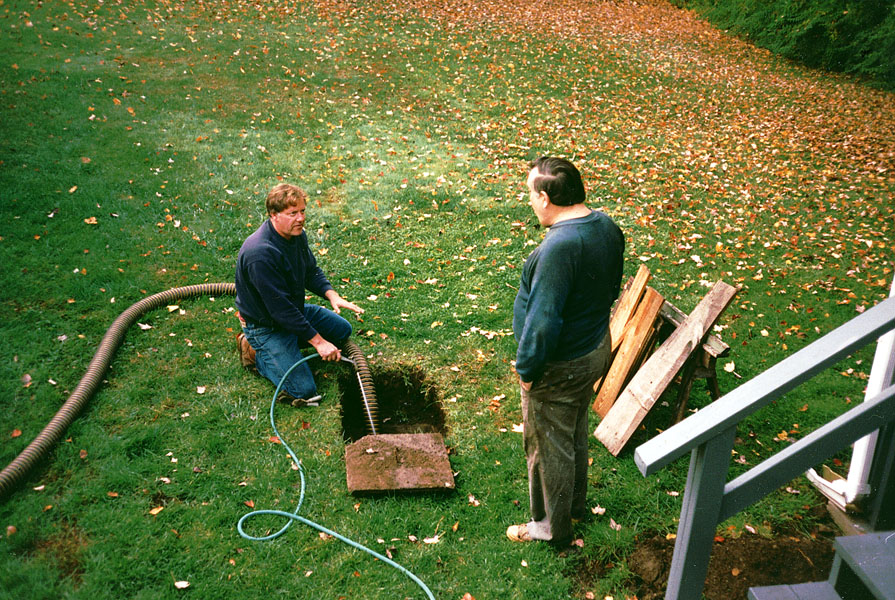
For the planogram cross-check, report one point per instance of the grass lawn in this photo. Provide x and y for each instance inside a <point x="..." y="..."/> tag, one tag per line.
<point x="137" y="142"/>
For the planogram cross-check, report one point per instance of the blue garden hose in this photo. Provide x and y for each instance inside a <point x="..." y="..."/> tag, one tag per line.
<point x="294" y="516"/>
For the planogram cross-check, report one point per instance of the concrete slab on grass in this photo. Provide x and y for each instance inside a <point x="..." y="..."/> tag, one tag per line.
<point x="399" y="461"/>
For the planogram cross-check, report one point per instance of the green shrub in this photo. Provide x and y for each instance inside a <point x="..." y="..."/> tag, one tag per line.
<point x="856" y="37"/>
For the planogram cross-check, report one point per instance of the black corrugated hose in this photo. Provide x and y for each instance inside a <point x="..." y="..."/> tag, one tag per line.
<point x="47" y="439"/>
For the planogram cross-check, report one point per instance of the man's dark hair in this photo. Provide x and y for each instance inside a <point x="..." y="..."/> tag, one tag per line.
<point x="560" y="179"/>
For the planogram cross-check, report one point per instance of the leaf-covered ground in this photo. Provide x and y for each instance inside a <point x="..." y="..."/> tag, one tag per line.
<point x="138" y="140"/>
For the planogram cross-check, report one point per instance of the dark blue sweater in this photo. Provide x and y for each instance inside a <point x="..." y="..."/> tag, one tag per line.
<point x="272" y="274"/>
<point x="568" y="286"/>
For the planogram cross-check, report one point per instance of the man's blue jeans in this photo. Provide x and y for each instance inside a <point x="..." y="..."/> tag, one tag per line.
<point x="277" y="350"/>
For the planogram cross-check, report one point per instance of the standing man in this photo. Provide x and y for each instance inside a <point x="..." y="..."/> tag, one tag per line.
<point x="561" y="324"/>
<point x="274" y="268"/>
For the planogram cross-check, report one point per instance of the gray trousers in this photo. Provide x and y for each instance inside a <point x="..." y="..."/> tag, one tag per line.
<point x="555" y="438"/>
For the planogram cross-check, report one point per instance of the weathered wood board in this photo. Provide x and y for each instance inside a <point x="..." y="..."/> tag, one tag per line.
<point x="659" y="370"/>
<point x="637" y="335"/>
<point x="627" y="306"/>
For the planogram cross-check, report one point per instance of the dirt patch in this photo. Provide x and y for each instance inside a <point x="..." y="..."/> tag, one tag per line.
<point x="736" y="564"/>
<point x="406" y="403"/>
<point x="65" y="548"/>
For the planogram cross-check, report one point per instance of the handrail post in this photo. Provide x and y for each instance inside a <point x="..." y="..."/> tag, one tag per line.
<point x="701" y="507"/>
<point x="882" y="505"/>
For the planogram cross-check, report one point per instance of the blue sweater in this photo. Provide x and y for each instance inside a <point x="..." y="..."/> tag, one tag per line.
<point x="272" y="274"/>
<point x="568" y="286"/>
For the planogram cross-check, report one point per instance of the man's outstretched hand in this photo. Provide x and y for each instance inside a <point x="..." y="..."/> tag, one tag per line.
<point x="338" y="303"/>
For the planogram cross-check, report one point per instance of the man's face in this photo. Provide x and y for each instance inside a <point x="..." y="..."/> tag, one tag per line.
<point x="291" y="221"/>
<point x="536" y="199"/>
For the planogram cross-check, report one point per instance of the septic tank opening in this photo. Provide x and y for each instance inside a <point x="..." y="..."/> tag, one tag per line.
<point x="407" y="403"/>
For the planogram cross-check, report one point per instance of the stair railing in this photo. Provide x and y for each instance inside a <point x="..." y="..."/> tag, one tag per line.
<point x="709" y="436"/>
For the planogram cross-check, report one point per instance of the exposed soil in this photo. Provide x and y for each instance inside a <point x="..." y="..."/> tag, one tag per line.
<point x="406" y="403"/>
<point x="736" y="564"/>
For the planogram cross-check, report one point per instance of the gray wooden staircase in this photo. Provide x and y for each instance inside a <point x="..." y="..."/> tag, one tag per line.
<point x="863" y="569"/>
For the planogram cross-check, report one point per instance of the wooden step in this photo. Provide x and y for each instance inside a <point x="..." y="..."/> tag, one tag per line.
<point x="816" y="590"/>
<point x="864" y="566"/>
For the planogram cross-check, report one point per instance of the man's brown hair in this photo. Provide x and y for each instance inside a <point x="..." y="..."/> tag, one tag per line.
<point x="284" y="195"/>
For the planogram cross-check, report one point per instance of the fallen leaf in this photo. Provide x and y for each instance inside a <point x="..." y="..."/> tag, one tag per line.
<point x="200" y="389"/>
<point x="181" y="585"/>
<point x="10" y="530"/>
<point x="156" y="510"/>
<point x="16" y="433"/>
<point x="91" y="221"/>
<point x="250" y="503"/>
<point x="614" y="525"/>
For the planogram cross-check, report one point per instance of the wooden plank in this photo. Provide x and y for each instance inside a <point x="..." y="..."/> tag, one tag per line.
<point x="658" y="371"/>
<point x="638" y="334"/>
<point x="622" y="311"/>
<point x="712" y="344"/>
<point x="627" y="306"/>
<point x="645" y="351"/>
